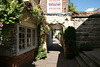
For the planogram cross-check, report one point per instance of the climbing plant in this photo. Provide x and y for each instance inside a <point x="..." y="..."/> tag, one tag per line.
<point x="37" y="12"/>
<point x="44" y="30"/>
<point x="10" y="14"/>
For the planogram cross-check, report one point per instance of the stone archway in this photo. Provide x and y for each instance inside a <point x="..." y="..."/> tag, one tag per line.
<point x="53" y="28"/>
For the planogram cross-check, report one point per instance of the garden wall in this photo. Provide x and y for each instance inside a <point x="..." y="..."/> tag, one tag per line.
<point x="88" y="30"/>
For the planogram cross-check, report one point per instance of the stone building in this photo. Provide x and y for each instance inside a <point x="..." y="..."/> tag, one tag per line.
<point x="25" y="40"/>
<point x="21" y="47"/>
<point x="56" y="12"/>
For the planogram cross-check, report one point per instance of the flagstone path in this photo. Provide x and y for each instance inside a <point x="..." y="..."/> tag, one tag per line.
<point x="55" y="58"/>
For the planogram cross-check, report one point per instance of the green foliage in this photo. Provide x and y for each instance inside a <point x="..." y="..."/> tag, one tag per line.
<point x="72" y="8"/>
<point x="28" y="7"/>
<point x="41" y="53"/>
<point x="86" y="47"/>
<point x="37" y="12"/>
<point x="61" y="32"/>
<point x="10" y="14"/>
<point x="70" y="36"/>
<point x="44" y="30"/>
<point x="70" y="41"/>
<point x="56" y="36"/>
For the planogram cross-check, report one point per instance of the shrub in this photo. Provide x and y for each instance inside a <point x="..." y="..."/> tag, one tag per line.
<point x="70" y="41"/>
<point x="70" y="36"/>
<point x="86" y="47"/>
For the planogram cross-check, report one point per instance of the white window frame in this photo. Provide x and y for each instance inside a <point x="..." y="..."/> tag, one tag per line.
<point x="21" y="51"/>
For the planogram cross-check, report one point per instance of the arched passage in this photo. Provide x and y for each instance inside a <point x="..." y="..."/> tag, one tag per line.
<point x="54" y="30"/>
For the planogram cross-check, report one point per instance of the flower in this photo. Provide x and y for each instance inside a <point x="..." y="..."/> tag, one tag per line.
<point x="45" y="21"/>
<point x="0" y="9"/>
<point x="1" y="25"/>
<point x="24" y="4"/>
<point x="1" y="21"/>
<point x="28" y="8"/>
<point x="44" y="29"/>
<point x="31" y="1"/>
<point x="28" y="3"/>
<point x="31" y="7"/>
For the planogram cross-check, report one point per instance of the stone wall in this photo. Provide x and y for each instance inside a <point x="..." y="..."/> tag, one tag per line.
<point x="35" y="2"/>
<point x="43" y="4"/>
<point x="64" y="5"/>
<point x="88" y="30"/>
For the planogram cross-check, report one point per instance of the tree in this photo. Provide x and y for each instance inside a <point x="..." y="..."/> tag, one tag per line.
<point x="71" y="7"/>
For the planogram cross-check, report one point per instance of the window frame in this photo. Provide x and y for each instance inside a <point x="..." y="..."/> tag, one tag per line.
<point x="33" y="46"/>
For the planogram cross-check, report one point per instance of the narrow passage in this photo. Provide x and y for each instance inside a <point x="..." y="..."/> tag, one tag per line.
<point x="55" y="57"/>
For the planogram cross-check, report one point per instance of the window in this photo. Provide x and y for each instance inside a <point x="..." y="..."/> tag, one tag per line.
<point x="64" y="9"/>
<point x="33" y="36"/>
<point x="26" y="37"/>
<point x="21" y="38"/>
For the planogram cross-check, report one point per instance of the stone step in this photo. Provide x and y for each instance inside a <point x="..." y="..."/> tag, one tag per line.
<point x="88" y="61"/>
<point x="80" y="62"/>
<point x="93" y="57"/>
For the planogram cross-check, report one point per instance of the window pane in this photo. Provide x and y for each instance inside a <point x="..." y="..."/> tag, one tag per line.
<point x="28" y="30"/>
<point x="21" y="30"/>
<point x="33" y="36"/>
<point x="28" y="37"/>
<point x="21" y="37"/>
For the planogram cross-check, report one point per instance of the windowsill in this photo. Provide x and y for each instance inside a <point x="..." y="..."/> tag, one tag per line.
<point x="26" y="50"/>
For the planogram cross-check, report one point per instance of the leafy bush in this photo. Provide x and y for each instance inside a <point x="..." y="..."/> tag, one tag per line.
<point x="70" y="36"/>
<point x="86" y="47"/>
<point x="70" y="41"/>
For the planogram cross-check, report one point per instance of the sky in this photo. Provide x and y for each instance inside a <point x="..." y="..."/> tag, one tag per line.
<point x="86" y="5"/>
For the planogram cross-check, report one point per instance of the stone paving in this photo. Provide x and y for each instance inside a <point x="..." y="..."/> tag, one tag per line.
<point x="54" y="58"/>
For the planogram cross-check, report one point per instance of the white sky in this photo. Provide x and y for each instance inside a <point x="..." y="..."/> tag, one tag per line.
<point x="90" y="9"/>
